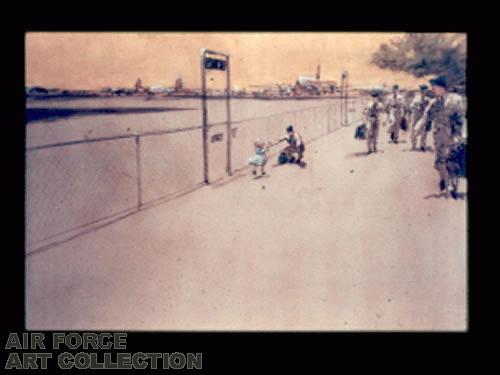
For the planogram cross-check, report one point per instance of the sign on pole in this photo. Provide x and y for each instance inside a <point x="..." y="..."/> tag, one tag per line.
<point x="215" y="63"/>
<point x="211" y="63"/>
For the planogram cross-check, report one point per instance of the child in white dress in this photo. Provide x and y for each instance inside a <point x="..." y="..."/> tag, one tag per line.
<point x="260" y="157"/>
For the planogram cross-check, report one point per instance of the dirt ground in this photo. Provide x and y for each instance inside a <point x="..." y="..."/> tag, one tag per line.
<point x="350" y="242"/>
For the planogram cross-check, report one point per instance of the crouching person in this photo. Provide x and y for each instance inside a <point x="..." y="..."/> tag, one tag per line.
<point x="295" y="143"/>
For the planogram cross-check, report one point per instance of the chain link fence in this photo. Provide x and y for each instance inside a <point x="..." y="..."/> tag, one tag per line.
<point x="77" y="186"/>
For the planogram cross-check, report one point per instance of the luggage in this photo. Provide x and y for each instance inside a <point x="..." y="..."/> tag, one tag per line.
<point x="404" y="124"/>
<point x="456" y="124"/>
<point x="286" y="155"/>
<point x="361" y="131"/>
<point x="393" y="136"/>
<point x="282" y="158"/>
<point x="428" y="125"/>
<point x="456" y="162"/>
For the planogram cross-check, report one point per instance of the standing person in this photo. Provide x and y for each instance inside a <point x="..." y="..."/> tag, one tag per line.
<point x="448" y="112"/>
<point x="406" y="121"/>
<point x="259" y="159"/>
<point x="373" y="112"/>
<point x="295" y="143"/>
<point x="421" y="123"/>
<point x="395" y="108"/>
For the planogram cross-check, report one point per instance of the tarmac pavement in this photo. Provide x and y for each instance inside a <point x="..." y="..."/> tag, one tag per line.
<point x="350" y="242"/>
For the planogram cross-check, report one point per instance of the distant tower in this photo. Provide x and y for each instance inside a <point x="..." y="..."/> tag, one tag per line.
<point x="318" y="72"/>
<point x="179" y="84"/>
<point x="138" y="85"/>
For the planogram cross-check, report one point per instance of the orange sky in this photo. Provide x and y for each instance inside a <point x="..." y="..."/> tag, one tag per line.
<point x="97" y="60"/>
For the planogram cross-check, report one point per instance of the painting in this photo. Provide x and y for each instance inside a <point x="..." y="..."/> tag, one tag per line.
<point x="246" y="181"/>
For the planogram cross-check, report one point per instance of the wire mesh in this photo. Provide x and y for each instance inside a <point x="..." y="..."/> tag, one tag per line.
<point x="75" y="184"/>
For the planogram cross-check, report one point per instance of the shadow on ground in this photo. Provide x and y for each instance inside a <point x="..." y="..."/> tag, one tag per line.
<point x="366" y="153"/>
<point x="461" y="196"/>
<point x="224" y="181"/>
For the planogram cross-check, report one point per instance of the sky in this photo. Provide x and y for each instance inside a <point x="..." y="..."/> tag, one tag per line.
<point x="98" y="60"/>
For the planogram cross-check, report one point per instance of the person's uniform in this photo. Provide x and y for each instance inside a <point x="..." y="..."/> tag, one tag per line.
<point x="448" y="113"/>
<point x="373" y="115"/>
<point x="395" y="108"/>
<point x="295" y="144"/>
<point x="420" y="106"/>
<point x="407" y="113"/>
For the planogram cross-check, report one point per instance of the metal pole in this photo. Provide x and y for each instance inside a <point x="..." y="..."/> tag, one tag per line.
<point x="328" y="119"/>
<point x="138" y="163"/>
<point x="228" y="114"/>
<point x="342" y="101"/>
<point x="204" y="114"/>
<point x="346" y="109"/>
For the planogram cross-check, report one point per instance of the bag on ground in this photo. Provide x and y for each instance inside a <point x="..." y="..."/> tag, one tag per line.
<point x="404" y="124"/>
<point x="456" y="162"/>
<point x="360" y="132"/>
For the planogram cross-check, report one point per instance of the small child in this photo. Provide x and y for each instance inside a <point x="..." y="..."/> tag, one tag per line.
<point x="260" y="157"/>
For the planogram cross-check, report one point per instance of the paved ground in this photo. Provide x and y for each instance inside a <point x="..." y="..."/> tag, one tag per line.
<point x="351" y="242"/>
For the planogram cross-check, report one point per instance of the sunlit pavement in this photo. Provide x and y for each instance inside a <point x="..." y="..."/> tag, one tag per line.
<point x="350" y="242"/>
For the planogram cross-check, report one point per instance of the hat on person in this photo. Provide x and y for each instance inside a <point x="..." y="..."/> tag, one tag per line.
<point x="290" y="128"/>
<point x="424" y="87"/>
<point x="439" y="81"/>
<point x="375" y="93"/>
<point x="395" y="87"/>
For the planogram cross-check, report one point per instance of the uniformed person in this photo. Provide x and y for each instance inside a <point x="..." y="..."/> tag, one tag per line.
<point x="408" y="97"/>
<point x="448" y="111"/>
<point x="420" y="124"/>
<point x="295" y="143"/>
<point x="395" y="108"/>
<point x="373" y="112"/>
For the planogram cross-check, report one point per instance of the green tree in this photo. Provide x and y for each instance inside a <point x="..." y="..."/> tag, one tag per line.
<point x="426" y="54"/>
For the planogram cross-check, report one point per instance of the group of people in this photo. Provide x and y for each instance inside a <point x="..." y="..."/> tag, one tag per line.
<point x="435" y="109"/>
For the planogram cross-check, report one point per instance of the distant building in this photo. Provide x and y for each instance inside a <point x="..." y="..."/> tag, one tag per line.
<point x="312" y="85"/>
<point x="306" y="80"/>
<point x="160" y="89"/>
<point x="179" y="84"/>
<point x="138" y="85"/>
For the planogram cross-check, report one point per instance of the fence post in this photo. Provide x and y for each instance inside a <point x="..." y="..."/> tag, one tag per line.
<point x="138" y="163"/>
<point x="346" y="104"/>
<point x="328" y="119"/>
<point x="204" y="114"/>
<point x="228" y="114"/>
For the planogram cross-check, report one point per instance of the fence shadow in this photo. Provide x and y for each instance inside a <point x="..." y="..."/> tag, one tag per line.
<point x="238" y="174"/>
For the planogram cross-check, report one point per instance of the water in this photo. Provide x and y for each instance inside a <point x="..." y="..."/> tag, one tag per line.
<point x="78" y="119"/>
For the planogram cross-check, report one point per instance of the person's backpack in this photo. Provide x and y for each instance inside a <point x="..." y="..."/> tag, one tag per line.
<point x="360" y="132"/>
